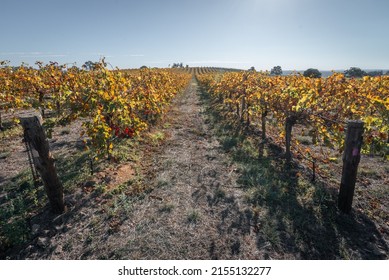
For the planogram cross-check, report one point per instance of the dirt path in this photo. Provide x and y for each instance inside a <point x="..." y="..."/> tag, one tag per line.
<point x="195" y="210"/>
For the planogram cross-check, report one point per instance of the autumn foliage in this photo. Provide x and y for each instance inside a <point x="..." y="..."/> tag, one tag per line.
<point x="112" y="103"/>
<point x="320" y="105"/>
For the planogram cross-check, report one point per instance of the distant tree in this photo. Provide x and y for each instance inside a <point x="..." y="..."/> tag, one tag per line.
<point x="312" y="73"/>
<point x="355" y="72"/>
<point x="375" y="73"/>
<point x="276" y="71"/>
<point x="177" y="65"/>
<point x="4" y="63"/>
<point x="74" y="67"/>
<point x="387" y="72"/>
<point x="89" y="65"/>
<point x="144" y="67"/>
<point x="252" y="69"/>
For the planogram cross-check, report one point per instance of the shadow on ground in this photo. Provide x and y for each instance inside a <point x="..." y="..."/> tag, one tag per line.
<point x="291" y="216"/>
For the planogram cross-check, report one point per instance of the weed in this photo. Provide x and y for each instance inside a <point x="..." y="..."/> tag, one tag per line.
<point x="162" y="183"/>
<point x="166" y="125"/>
<point x="14" y="228"/>
<point x="100" y="189"/>
<point x="121" y="205"/>
<point x="167" y="208"/>
<point x="270" y="232"/>
<point x="157" y="137"/>
<point x="22" y="198"/>
<point x="229" y="143"/>
<point x="68" y="246"/>
<point x="89" y="238"/>
<point x="219" y="194"/>
<point x="94" y="222"/>
<point x="126" y="150"/>
<point x="193" y="217"/>
<point x="125" y="203"/>
<point x="119" y="189"/>
<point x="4" y="155"/>
<point x="11" y="132"/>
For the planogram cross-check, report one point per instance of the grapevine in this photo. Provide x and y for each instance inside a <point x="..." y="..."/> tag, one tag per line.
<point x="321" y="105"/>
<point x="112" y="103"/>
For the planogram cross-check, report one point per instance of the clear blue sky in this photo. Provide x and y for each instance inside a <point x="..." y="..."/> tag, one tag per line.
<point x="296" y="34"/>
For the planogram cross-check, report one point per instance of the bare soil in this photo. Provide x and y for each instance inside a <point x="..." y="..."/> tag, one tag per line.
<point x="200" y="200"/>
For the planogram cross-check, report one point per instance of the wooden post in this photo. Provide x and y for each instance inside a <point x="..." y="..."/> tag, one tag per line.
<point x="243" y="109"/>
<point x="263" y="134"/>
<point x="263" y="125"/>
<point x="35" y="135"/>
<point x="313" y="170"/>
<point x="289" y="123"/>
<point x="351" y="158"/>
<point x="1" y="122"/>
<point x="313" y="134"/>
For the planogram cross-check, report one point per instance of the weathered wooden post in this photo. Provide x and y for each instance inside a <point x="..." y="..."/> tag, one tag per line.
<point x="1" y="121"/>
<point x="351" y="158"/>
<point x="263" y="134"/>
<point x="44" y="164"/>
<point x="289" y="123"/>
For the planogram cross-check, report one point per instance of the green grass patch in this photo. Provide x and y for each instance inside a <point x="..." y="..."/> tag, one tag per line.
<point x="11" y="132"/>
<point x="157" y="137"/>
<point x="4" y="155"/>
<point x="23" y="199"/>
<point x="166" y="208"/>
<point x="193" y="217"/>
<point x="126" y="150"/>
<point x="166" y="125"/>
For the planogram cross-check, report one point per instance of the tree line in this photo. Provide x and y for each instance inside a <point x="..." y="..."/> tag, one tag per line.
<point x="352" y="72"/>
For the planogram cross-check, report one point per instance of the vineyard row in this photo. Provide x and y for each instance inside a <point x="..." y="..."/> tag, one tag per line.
<point x="111" y="103"/>
<point x="319" y="107"/>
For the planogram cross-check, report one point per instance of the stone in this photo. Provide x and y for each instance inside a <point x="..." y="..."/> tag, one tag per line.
<point x="35" y="229"/>
<point x="43" y="242"/>
<point x="58" y="250"/>
<point x="59" y="228"/>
